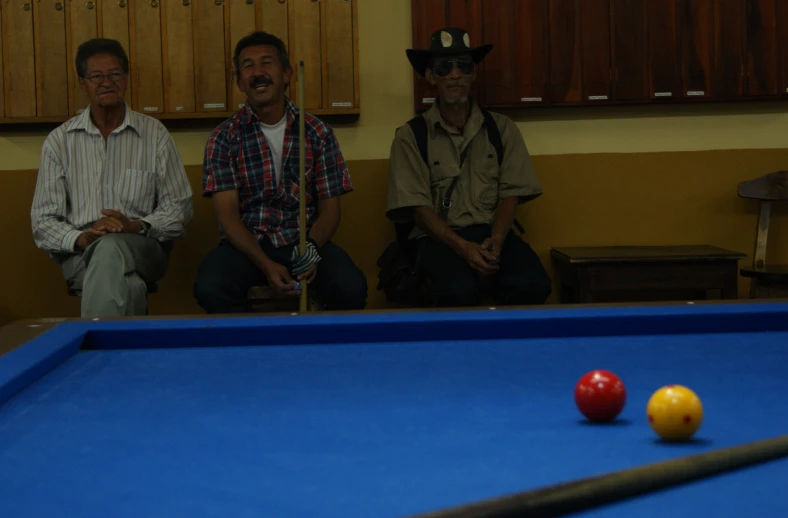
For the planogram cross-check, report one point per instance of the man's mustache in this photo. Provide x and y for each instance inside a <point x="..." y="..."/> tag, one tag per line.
<point x="263" y="80"/>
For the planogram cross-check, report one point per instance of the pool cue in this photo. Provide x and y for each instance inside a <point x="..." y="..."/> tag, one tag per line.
<point x="587" y="493"/>
<point x="302" y="230"/>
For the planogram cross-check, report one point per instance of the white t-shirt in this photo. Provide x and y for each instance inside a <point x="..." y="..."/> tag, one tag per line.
<point x="275" y="136"/>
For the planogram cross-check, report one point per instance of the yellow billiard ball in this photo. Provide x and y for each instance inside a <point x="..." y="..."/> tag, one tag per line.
<point x="674" y="412"/>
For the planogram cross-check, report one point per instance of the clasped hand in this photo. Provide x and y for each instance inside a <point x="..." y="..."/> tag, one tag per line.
<point x="484" y="257"/>
<point x="113" y="221"/>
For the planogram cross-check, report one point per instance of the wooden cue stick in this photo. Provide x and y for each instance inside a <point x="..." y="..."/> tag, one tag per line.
<point x="587" y="493"/>
<point x="302" y="230"/>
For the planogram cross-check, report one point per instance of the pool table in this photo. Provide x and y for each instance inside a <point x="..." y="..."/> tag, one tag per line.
<point x="379" y="414"/>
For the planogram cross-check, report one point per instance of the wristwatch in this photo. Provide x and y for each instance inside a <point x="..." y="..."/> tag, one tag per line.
<point x="145" y="228"/>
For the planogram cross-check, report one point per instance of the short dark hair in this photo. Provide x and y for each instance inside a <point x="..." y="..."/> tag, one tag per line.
<point x="98" y="46"/>
<point x="260" y="38"/>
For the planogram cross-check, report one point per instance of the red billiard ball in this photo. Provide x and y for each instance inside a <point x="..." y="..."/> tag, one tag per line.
<point x="600" y="395"/>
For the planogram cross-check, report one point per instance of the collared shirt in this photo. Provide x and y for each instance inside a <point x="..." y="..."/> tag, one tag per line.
<point x="237" y="156"/>
<point x="481" y="184"/>
<point x="137" y="171"/>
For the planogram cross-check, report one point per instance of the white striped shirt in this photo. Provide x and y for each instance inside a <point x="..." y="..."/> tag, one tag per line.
<point x="137" y="171"/>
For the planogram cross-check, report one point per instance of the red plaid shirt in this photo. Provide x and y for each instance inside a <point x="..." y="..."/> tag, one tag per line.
<point x="237" y="156"/>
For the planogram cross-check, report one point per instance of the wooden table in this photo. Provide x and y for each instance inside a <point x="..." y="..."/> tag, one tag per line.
<point x="585" y="273"/>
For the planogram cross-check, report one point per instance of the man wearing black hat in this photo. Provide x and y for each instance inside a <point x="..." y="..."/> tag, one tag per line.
<point x="457" y="174"/>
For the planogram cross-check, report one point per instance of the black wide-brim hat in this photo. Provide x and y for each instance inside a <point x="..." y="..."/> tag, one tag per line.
<point x="446" y="42"/>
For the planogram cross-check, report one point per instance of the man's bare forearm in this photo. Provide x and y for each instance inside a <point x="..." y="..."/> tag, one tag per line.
<point x="240" y="237"/>
<point x="432" y="224"/>
<point x="504" y="218"/>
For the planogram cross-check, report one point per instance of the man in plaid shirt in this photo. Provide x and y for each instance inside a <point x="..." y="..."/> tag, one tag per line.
<point x="250" y="172"/>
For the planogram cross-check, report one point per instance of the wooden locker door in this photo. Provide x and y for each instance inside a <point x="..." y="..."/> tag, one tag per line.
<point x="515" y="71"/>
<point x="664" y="71"/>
<point x="762" y="48"/>
<point x="243" y="15"/>
<point x="146" y="56"/>
<point x="178" y="55"/>
<point x="728" y="63"/>
<point x="427" y="17"/>
<point x="82" y="24"/>
<point x="2" y="60"/>
<point x="18" y="48"/>
<point x="566" y="84"/>
<point x="595" y="49"/>
<point x="114" y="24"/>
<point x="467" y="14"/>
<point x="306" y="43"/>
<point x="210" y="56"/>
<point x="51" y="58"/>
<point x="695" y="26"/>
<point x="341" y="50"/>
<point x="782" y="46"/>
<point x="629" y="50"/>
<point x="273" y="18"/>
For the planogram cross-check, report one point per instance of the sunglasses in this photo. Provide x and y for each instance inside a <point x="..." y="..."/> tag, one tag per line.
<point x="443" y="67"/>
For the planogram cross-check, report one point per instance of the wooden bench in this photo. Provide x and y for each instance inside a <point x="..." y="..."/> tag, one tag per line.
<point x="265" y="299"/>
<point x="625" y="273"/>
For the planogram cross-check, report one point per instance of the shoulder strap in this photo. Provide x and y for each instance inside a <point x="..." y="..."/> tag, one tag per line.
<point x="419" y="126"/>
<point x="493" y="134"/>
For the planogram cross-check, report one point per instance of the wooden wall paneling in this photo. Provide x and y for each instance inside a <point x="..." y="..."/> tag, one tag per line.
<point x="114" y="24"/>
<point x="178" y="56"/>
<point x="467" y="14"/>
<point x="210" y="56"/>
<point x="146" y="56"/>
<point x="18" y="47"/>
<point x="340" y="50"/>
<point x="51" y="58"/>
<point x="695" y="23"/>
<point x="306" y="43"/>
<point x="762" y="48"/>
<point x="81" y="26"/>
<point x="241" y="21"/>
<point x="566" y="84"/>
<point x="274" y="18"/>
<point x="781" y="13"/>
<point x="629" y="50"/>
<point x="664" y="63"/>
<point x="515" y="71"/>
<point x="595" y="50"/>
<point x="427" y="16"/>
<point x="728" y="50"/>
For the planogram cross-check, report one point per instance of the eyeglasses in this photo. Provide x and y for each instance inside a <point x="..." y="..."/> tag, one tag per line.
<point x="444" y="67"/>
<point x="98" y="78"/>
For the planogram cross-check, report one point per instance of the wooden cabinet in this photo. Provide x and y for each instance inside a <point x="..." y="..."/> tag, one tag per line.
<point x="605" y="52"/>
<point x="52" y="63"/>
<point x="20" y="74"/>
<point x="180" y="52"/>
<point x="518" y="31"/>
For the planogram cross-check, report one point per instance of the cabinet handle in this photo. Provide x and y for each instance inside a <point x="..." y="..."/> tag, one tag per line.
<point x="26" y="7"/>
<point x="186" y="3"/>
<point x="249" y="2"/>
<point x="154" y="4"/>
<point x="89" y="5"/>
<point x="217" y="2"/>
<point x="59" y="6"/>
<point x="122" y="4"/>
<point x="282" y="1"/>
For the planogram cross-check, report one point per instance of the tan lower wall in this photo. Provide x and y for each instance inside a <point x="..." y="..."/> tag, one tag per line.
<point x="591" y="199"/>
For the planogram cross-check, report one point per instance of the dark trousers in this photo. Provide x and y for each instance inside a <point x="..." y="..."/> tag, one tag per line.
<point x="226" y="274"/>
<point x="521" y="279"/>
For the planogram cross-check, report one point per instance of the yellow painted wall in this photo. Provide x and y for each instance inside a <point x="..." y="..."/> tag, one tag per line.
<point x="629" y="175"/>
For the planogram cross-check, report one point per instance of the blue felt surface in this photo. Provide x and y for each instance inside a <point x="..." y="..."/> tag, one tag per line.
<point x="383" y="430"/>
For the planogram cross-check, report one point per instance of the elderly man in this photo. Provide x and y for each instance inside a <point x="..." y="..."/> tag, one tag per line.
<point x="251" y="174"/>
<point x="111" y="194"/>
<point x="457" y="175"/>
